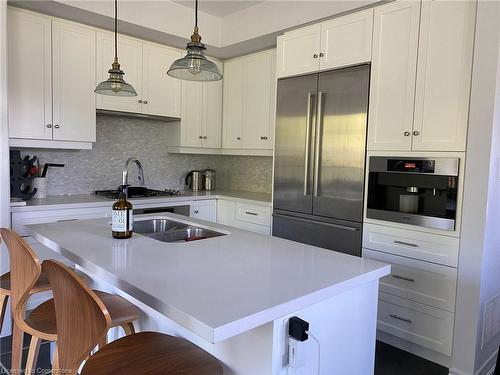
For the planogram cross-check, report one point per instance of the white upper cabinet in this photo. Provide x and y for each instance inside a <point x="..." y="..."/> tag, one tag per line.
<point x="298" y="51"/>
<point x="393" y="71"/>
<point x="443" y="75"/>
<point x="201" y="114"/>
<point x="249" y="101"/>
<point x="161" y="93"/>
<point x="50" y="107"/>
<point x="346" y="40"/>
<point x="342" y="41"/>
<point x="30" y="92"/>
<point x="145" y="66"/>
<point x="74" y="101"/>
<point x="130" y="59"/>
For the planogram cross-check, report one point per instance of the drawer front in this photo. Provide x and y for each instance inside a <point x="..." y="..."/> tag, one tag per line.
<point x="252" y="213"/>
<point x="20" y="219"/>
<point x="423" y="282"/>
<point x="423" y="325"/>
<point x="262" y="229"/>
<point x="418" y="245"/>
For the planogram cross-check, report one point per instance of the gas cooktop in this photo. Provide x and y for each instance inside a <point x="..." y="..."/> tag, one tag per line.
<point x="138" y="192"/>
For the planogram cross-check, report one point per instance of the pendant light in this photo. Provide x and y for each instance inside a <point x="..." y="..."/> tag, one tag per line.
<point x="115" y="85"/>
<point x="195" y="66"/>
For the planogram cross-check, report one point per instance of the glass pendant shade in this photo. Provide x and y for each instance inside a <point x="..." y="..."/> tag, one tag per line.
<point x="195" y="66"/>
<point x="115" y="85"/>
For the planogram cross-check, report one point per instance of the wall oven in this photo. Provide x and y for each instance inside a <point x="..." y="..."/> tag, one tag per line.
<point x="411" y="190"/>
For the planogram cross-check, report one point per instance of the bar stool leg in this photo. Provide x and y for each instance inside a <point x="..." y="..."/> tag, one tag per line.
<point x="17" y="347"/>
<point x="33" y="355"/>
<point x="3" y="305"/>
<point x="129" y="328"/>
<point x="55" y="360"/>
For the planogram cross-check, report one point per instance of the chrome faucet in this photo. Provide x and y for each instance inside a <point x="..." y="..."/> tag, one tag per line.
<point x="140" y="176"/>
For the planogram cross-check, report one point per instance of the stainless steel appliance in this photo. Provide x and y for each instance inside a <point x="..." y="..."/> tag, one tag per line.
<point x="209" y="179"/>
<point x="418" y="191"/>
<point x="320" y="158"/>
<point x="194" y="180"/>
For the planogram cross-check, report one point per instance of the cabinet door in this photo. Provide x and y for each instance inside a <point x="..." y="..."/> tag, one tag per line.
<point x="346" y="40"/>
<point x="393" y="70"/>
<point x="130" y="59"/>
<point x="212" y="112"/>
<point x="258" y="85"/>
<point x="298" y="51"/>
<point x="226" y="212"/>
<point x="30" y="91"/>
<point x="204" y="210"/>
<point x="232" y="104"/>
<point x="191" y="114"/>
<point x="443" y="75"/>
<point x="161" y="93"/>
<point x="73" y="50"/>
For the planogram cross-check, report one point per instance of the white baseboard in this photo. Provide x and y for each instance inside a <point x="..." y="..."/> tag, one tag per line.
<point x="487" y="368"/>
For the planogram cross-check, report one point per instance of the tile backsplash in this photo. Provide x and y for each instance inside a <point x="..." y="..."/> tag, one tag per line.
<point x="119" y="138"/>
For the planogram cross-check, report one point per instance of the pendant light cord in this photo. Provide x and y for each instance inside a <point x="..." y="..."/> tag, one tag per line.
<point x="116" y="27"/>
<point x="196" y="13"/>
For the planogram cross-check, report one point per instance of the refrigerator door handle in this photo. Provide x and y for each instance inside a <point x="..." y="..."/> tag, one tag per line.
<point x="308" y="139"/>
<point x="336" y="226"/>
<point x="319" y="130"/>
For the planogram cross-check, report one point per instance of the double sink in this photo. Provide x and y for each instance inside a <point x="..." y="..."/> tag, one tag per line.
<point x="166" y="230"/>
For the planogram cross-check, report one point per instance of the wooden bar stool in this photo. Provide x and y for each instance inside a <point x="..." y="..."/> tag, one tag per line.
<point x="41" y="322"/>
<point x="82" y="321"/>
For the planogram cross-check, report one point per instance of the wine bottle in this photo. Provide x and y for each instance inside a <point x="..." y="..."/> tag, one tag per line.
<point x="122" y="216"/>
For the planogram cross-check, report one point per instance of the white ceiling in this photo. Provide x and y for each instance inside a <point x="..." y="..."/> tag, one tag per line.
<point x="219" y="8"/>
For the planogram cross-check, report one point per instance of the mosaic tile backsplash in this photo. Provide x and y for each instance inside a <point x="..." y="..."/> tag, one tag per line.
<point x="119" y="138"/>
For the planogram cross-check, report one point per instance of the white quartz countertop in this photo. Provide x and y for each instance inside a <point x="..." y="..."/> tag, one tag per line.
<point x="217" y="287"/>
<point x="91" y="200"/>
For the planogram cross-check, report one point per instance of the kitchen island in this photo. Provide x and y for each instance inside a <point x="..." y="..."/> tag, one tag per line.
<point x="233" y="294"/>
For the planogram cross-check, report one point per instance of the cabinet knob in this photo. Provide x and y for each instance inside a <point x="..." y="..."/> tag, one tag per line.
<point x="139" y="101"/>
<point x="195" y="211"/>
<point x="56" y="126"/>
<point x="205" y="137"/>
<point x="315" y="55"/>
<point x="200" y="137"/>
<point x="145" y="102"/>
<point x="49" y="126"/>
<point x="263" y="138"/>
<point x="321" y="54"/>
<point x="415" y="132"/>
<point x="406" y="134"/>
<point x="238" y="138"/>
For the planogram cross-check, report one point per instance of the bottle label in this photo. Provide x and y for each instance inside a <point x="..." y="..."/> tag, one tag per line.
<point x="121" y="220"/>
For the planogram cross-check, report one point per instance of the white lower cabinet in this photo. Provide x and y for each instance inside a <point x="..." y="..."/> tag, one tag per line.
<point x="254" y="217"/>
<point x="415" y="322"/>
<point x="204" y="210"/>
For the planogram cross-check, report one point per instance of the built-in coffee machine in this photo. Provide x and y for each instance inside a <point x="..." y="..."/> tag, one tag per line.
<point x="417" y="191"/>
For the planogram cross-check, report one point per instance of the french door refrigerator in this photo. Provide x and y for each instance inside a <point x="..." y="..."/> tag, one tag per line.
<point x="319" y="164"/>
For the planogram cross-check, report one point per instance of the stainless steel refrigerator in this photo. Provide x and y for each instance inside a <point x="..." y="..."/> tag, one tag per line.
<point x="319" y="165"/>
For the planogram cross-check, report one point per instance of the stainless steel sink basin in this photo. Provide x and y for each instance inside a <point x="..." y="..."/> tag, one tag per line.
<point x="172" y="231"/>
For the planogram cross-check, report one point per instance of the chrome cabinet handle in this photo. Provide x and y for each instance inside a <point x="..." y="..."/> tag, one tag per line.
<point x="145" y="102"/>
<point x="251" y="213"/>
<point x="63" y="220"/>
<point x="407" y="134"/>
<point x="321" y="54"/>
<point x="49" y="126"/>
<point x="308" y="131"/>
<point x="195" y="211"/>
<point x="319" y="129"/>
<point x="200" y="137"/>
<point x="406" y="243"/>
<point x="315" y="56"/>
<point x="406" y="320"/>
<point x="396" y="276"/>
<point x="139" y="101"/>
<point x="416" y="132"/>
<point x="238" y="138"/>
<point x="205" y="137"/>
<point x="56" y="126"/>
<point x="263" y="138"/>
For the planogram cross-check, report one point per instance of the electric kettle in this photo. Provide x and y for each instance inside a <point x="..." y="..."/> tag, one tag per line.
<point x="194" y="180"/>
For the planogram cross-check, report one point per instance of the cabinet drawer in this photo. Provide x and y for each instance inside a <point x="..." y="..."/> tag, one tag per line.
<point x="262" y="229"/>
<point x="418" y="245"/>
<point x="22" y="218"/>
<point x="423" y="282"/>
<point x="415" y="322"/>
<point x="253" y="213"/>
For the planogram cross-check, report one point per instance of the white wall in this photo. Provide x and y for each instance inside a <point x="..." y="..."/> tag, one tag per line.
<point x="4" y="146"/>
<point x="478" y="279"/>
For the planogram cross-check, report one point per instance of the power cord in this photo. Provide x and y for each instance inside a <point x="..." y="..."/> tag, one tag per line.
<point x="319" y="348"/>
